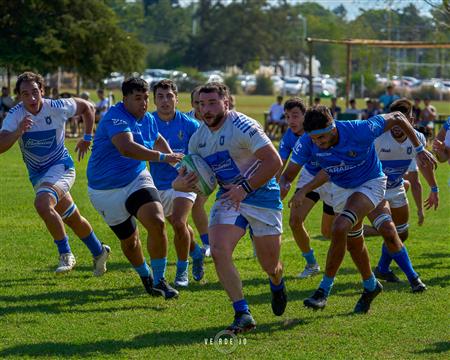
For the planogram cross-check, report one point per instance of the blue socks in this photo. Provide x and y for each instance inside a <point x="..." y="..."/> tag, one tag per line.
<point x="205" y="239"/>
<point x="93" y="244"/>
<point x="385" y="260"/>
<point x="63" y="245"/>
<point x="309" y="257"/>
<point x="159" y="269"/>
<point x="371" y="283"/>
<point x="143" y="270"/>
<point x="196" y="253"/>
<point x="278" y="287"/>
<point x="241" y="306"/>
<point x="402" y="259"/>
<point x="326" y="284"/>
<point x="182" y="266"/>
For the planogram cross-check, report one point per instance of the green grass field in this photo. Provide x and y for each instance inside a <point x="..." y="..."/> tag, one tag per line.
<point x="79" y="316"/>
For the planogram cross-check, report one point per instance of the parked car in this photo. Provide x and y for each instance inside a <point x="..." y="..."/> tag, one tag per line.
<point x="114" y="81"/>
<point x="293" y="85"/>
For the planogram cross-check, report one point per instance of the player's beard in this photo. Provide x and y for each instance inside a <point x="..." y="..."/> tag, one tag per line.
<point x="217" y="119"/>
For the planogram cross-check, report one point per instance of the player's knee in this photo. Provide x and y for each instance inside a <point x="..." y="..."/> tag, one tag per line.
<point x="179" y="226"/>
<point x="132" y="243"/>
<point x="388" y="231"/>
<point x="341" y="227"/>
<point x="156" y="223"/>
<point x="42" y="206"/>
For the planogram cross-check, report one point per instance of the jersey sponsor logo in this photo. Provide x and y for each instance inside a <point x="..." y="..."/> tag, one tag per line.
<point x="385" y="150"/>
<point x="253" y="132"/>
<point x="342" y="167"/>
<point x="41" y="143"/>
<point x="323" y="154"/>
<point x="202" y="145"/>
<point x="117" y="122"/>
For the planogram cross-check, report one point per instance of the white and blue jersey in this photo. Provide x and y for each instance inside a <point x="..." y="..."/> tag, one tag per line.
<point x="287" y="145"/>
<point x="353" y="160"/>
<point x="177" y="133"/>
<point x="396" y="157"/>
<point x="42" y="145"/>
<point x="108" y="168"/>
<point x="230" y="152"/>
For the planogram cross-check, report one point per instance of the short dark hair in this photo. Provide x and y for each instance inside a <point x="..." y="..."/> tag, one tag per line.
<point x="317" y="99"/>
<point x="215" y="87"/>
<point x="279" y="97"/>
<point x="295" y="102"/>
<point x="165" y="84"/>
<point x="29" y="76"/>
<point x="134" y="84"/>
<point x="403" y="105"/>
<point x="352" y="101"/>
<point x="317" y="118"/>
<point x="196" y="89"/>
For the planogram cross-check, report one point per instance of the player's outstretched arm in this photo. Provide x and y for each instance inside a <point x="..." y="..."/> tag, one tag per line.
<point x="162" y="145"/>
<point x="129" y="148"/>
<point x="320" y="179"/>
<point x="288" y="177"/>
<point x="440" y="150"/>
<point x="8" y="138"/>
<point x="416" y="190"/>
<point x="87" y="111"/>
<point x="433" y="197"/>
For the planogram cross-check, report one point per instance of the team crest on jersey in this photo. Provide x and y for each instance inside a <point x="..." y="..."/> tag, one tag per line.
<point x="409" y="150"/>
<point x="180" y="135"/>
<point x="119" y="122"/>
<point x="351" y="153"/>
<point x="48" y="120"/>
<point x="202" y="145"/>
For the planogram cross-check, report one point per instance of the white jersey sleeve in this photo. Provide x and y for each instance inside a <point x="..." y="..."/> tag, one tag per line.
<point x="64" y="108"/>
<point x="13" y="118"/>
<point x="251" y="135"/>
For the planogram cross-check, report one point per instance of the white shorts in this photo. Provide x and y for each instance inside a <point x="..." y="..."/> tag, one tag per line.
<point x="169" y="195"/>
<point x="324" y="190"/>
<point x="374" y="189"/>
<point x="396" y="197"/>
<point x="262" y="221"/>
<point x="111" y="203"/>
<point x="447" y="139"/>
<point x="59" y="177"/>
<point x="413" y="166"/>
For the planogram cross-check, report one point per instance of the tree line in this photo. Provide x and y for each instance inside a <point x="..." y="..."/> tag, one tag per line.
<point x="94" y="38"/>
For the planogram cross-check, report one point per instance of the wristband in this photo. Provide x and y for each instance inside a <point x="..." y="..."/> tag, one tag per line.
<point x="434" y="189"/>
<point x="87" y="137"/>
<point x="246" y="186"/>
<point x="162" y="157"/>
<point x="419" y="149"/>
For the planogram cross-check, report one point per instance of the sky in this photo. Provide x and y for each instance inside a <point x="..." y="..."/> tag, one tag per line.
<point x="353" y="6"/>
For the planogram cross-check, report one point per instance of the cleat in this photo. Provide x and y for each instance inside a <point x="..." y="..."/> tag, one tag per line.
<point x="165" y="290"/>
<point x="389" y="276"/>
<point x="310" y="270"/>
<point x="317" y="301"/>
<point x="363" y="304"/>
<point x="206" y="250"/>
<point x="100" y="261"/>
<point x="417" y="285"/>
<point x="148" y="284"/>
<point x="198" y="270"/>
<point x="243" y="322"/>
<point x="181" y="279"/>
<point x="66" y="263"/>
<point x="279" y="301"/>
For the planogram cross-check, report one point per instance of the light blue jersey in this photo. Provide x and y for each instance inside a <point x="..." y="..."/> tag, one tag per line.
<point x="353" y="160"/>
<point x="230" y="152"/>
<point x="287" y="145"/>
<point x="43" y="146"/>
<point x="177" y="133"/>
<point x="396" y="157"/>
<point x="447" y="124"/>
<point x="107" y="168"/>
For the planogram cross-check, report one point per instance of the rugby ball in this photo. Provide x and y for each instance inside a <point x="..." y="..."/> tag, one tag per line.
<point x="206" y="179"/>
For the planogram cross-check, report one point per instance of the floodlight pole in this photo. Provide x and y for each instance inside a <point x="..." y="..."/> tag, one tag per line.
<point x="310" y="77"/>
<point x="348" y="75"/>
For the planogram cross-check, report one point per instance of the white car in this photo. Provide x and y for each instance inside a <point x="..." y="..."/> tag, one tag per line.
<point x="293" y="85"/>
